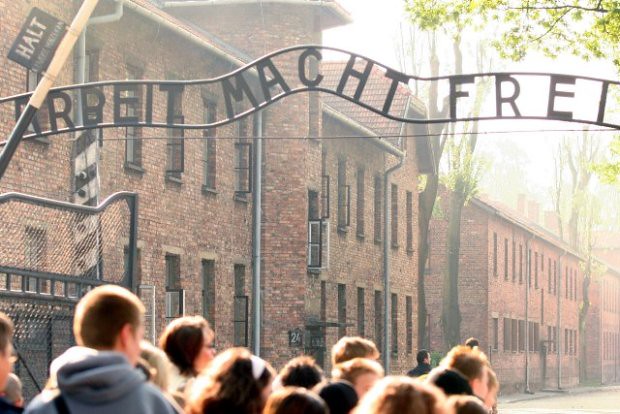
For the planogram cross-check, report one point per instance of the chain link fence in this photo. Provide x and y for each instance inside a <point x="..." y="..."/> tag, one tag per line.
<point x="51" y="254"/>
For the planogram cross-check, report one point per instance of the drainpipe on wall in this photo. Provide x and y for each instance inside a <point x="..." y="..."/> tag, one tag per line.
<point x="528" y="272"/>
<point x="558" y="343"/>
<point x="386" y="264"/>
<point x="257" y="233"/>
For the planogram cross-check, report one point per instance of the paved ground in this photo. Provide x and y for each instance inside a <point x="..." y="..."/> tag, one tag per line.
<point x="604" y="400"/>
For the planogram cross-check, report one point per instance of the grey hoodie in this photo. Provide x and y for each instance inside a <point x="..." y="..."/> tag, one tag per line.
<point x="100" y="382"/>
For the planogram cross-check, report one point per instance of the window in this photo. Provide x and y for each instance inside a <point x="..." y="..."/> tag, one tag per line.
<point x="566" y="284"/>
<point x="173" y="271"/>
<point x="514" y="261"/>
<point x="550" y="278"/>
<point x="394" y="223"/>
<point x="175" y="156"/>
<point x="317" y="232"/>
<point x="243" y="161"/>
<point x="377" y="208"/>
<point x="507" y="335"/>
<point x="208" y="291"/>
<point x="505" y="259"/>
<point x="409" y="221"/>
<point x="344" y="195"/>
<point x="379" y="319"/>
<point x="494" y="254"/>
<point x="409" y="323"/>
<point x="325" y="186"/>
<point x="210" y="146"/>
<point x="175" y="296"/>
<point x="495" y="327"/>
<point x="520" y="263"/>
<point x="529" y="267"/>
<point x="566" y="347"/>
<point x="360" y="223"/>
<point x="515" y="335"/>
<point x="133" y="135"/>
<point x="342" y="310"/>
<point x="361" y="312"/>
<point x="394" y="320"/>
<point x="536" y="270"/>
<point x="521" y="335"/>
<point x="240" y="311"/>
<point x="555" y="277"/>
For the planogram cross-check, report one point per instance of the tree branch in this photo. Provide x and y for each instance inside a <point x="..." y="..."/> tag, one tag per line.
<point x="570" y="7"/>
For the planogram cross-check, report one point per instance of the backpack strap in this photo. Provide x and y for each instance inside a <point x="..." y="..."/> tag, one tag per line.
<point x="61" y="404"/>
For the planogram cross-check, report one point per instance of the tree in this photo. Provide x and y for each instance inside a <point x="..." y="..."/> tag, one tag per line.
<point x="457" y="17"/>
<point x="609" y="170"/>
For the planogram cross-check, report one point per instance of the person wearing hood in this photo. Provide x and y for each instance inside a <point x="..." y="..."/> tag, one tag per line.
<point x="99" y="375"/>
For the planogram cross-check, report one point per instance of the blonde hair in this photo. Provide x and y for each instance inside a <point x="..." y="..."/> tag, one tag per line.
<point x="159" y="364"/>
<point x="402" y="395"/>
<point x="349" y="347"/>
<point x="471" y="362"/>
<point x="353" y="369"/>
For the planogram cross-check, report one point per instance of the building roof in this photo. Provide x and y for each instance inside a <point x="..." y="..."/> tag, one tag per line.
<point x="500" y="210"/>
<point x="331" y="12"/>
<point x="405" y="104"/>
<point x="210" y="42"/>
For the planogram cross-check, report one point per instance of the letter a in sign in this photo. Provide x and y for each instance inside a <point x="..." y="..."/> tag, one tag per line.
<point x="37" y="41"/>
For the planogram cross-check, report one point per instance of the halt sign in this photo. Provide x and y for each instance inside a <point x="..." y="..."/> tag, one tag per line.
<point x="37" y="41"/>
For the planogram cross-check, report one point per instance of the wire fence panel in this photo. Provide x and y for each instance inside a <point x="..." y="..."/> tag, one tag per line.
<point x="51" y="254"/>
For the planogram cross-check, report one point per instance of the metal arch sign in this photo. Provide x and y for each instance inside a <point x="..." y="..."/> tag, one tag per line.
<point x="518" y="95"/>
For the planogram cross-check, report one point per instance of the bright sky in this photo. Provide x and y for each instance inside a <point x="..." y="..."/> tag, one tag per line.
<point x="377" y="29"/>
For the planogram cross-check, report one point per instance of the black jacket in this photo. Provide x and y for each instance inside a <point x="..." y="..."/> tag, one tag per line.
<point x="421" y="369"/>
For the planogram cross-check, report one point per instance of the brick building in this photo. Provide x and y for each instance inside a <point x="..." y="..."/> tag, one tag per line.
<point x="322" y="196"/>
<point x="520" y="321"/>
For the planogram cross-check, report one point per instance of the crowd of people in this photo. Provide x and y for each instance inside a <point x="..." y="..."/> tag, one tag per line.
<point x="113" y="370"/>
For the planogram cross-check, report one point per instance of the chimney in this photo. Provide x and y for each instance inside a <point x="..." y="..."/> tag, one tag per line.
<point x="533" y="211"/>
<point x="521" y="204"/>
<point x="551" y="222"/>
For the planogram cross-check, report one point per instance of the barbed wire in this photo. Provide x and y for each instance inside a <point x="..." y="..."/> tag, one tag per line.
<point x="335" y="137"/>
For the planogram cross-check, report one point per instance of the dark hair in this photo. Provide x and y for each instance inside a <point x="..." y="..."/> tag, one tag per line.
<point x="465" y="404"/>
<point x="472" y="342"/>
<point x="228" y="385"/>
<point x="422" y="355"/>
<point x="295" y="400"/>
<point x="450" y="381"/>
<point x="301" y="372"/>
<point x="340" y="397"/>
<point x="6" y="331"/>
<point x="102" y="313"/>
<point x="182" y="340"/>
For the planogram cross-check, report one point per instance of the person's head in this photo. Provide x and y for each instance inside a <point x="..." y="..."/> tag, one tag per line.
<point x="13" y="392"/>
<point x="6" y="348"/>
<point x="361" y="372"/>
<point x="235" y="381"/>
<point x="349" y="347"/>
<point x="158" y="364"/>
<point x="301" y="372"/>
<point x="295" y="400"/>
<point x="423" y="357"/>
<point x="188" y="342"/>
<point x="340" y="397"/>
<point x="472" y="342"/>
<point x="402" y="395"/>
<point x="472" y="363"/>
<point x="465" y="404"/>
<point x="110" y="318"/>
<point x="451" y="382"/>
<point x="493" y="389"/>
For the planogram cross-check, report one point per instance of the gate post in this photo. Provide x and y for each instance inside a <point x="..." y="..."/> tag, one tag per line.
<point x="131" y="279"/>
